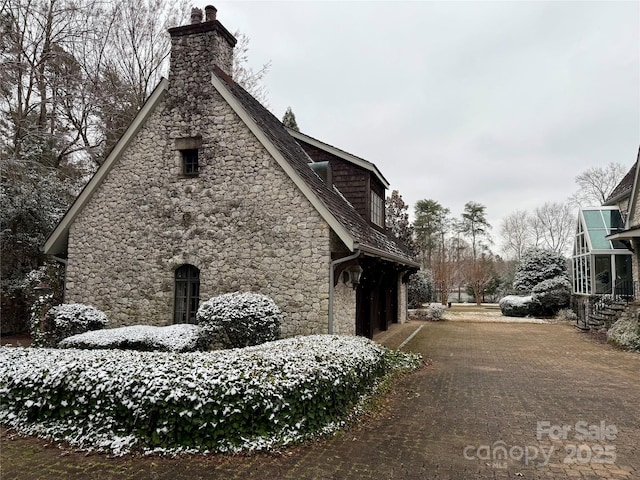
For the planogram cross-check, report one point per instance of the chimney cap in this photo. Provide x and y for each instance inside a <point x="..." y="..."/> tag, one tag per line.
<point x="210" y="13"/>
<point x="196" y="15"/>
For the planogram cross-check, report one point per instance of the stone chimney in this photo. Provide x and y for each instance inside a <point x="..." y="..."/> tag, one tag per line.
<point x="198" y="47"/>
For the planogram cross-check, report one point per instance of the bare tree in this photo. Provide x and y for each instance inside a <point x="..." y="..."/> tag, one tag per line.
<point x="518" y="234"/>
<point x="479" y="274"/>
<point x="249" y="79"/>
<point x="596" y="184"/>
<point x="555" y="223"/>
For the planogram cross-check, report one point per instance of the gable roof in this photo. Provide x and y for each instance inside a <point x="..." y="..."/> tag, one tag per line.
<point x="623" y="189"/>
<point x="57" y="241"/>
<point x="346" y="222"/>
<point x="360" y="162"/>
<point x="353" y="230"/>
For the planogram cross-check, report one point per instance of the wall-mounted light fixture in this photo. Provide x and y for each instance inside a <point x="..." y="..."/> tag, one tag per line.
<point x="355" y="274"/>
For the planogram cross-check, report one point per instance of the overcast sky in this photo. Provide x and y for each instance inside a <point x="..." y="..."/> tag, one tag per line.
<point x="502" y="103"/>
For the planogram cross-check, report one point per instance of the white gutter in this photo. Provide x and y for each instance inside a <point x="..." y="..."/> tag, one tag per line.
<point x="332" y="266"/>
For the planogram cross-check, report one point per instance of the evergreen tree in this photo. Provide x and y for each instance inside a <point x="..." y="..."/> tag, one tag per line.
<point x="538" y="265"/>
<point x="289" y="120"/>
<point x="397" y="220"/>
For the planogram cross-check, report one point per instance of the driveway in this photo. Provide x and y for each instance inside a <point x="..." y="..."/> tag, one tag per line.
<point x="496" y="400"/>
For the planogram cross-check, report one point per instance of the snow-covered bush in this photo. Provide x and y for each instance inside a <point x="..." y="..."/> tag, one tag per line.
<point x="536" y="266"/>
<point x="551" y="295"/>
<point x="240" y="319"/>
<point x="420" y="289"/>
<point x="625" y="333"/>
<point x="68" y="319"/>
<point x="251" y="398"/>
<point x="515" y="305"/>
<point x="172" y="338"/>
<point x="433" y="312"/>
<point x="567" y="315"/>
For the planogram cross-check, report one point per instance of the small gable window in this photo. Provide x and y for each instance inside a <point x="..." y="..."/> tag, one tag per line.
<point x="190" y="162"/>
<point x="377" y="209"/>
<point x="189" y="148"/>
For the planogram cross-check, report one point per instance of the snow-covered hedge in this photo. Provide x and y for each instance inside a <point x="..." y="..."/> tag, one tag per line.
<point x="240" y="319"/>
<point x="68" y="319"/>
<point x="549" y="296"/>
<point x="515" y="305"/>
<point x="229" y="400"/>
<point x="173" y="338"/>
<point x="625" y="333"/>
<point x="433" y="312"/>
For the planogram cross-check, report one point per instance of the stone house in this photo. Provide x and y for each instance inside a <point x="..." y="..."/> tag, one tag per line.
<point x="626" y="198"/>
<point x="606" y="253"/>
<point x="207" y="193"/>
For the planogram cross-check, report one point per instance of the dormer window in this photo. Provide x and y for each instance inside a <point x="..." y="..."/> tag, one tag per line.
<point x="190" y="162"/>
<point x="377" y="209"/>
<point x="189" y="148"/>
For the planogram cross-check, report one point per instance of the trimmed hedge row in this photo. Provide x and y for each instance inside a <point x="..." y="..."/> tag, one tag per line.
<point x="251" y="398"/>
<point x="146" y="338"/>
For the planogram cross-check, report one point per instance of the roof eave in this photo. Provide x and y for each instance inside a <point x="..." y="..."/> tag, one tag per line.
<point x="633" y="199"/>
<point x="625" y="234"/>
<point x="56" y="242"/>
<point x="388" y="256"/>
<point x="340" y="153"/>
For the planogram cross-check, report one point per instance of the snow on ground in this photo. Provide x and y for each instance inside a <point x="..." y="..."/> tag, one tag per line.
<point x="487" y="312"/>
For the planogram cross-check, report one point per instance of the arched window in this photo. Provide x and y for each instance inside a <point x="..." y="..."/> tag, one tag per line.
<point x="187" y="294"/>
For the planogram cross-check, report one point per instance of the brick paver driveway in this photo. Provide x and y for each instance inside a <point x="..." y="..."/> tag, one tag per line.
<point x="497" y="400"/>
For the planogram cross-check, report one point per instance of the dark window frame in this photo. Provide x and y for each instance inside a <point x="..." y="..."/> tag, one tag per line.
<point x="186" y="294"/>
<point x="377" y="209"/>
<point x="190" y="165"/>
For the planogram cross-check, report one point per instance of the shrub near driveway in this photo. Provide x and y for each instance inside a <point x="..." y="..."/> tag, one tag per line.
<point x="251" y="398"/>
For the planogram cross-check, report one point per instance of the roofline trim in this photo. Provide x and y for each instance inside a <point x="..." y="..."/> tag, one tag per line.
<point x="340" y="153"/>
<point x="634" y="193"/>
<point x="248" y="120"/>
<point x="389" y="256"/>
<point x="625" y="234"/>
<point x="55" y="243"/>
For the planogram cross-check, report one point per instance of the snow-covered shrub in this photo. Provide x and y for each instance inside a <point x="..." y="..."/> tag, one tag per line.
<point x="40" y="306"/>
<point x="172" y="338"/>
<point x="251" y="398"/>
<point x="68" y="319"/>
<point x="567" y="315"/>
<point x="515" y="305"/>
<point x="536" y="266"/>
<point x="625" y="333"/>
<point x="420" y="289"/>
<point x="552" y="295"/>
<point x="240" y="319"/>
<point x="433" y="312"/>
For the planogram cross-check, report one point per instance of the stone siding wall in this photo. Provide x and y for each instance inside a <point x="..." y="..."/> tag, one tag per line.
<point x="344" y="309"/>
<point x="403" y="300"/>
<point x="242" y="222"/>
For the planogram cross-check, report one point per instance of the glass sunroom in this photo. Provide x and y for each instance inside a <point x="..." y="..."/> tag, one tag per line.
<point x="600" y="266"/>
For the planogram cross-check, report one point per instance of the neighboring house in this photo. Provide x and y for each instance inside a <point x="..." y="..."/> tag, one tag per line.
<point x="626" y="196"/>
<point x="207" y="192"/>
<point x="605" y="254"/>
